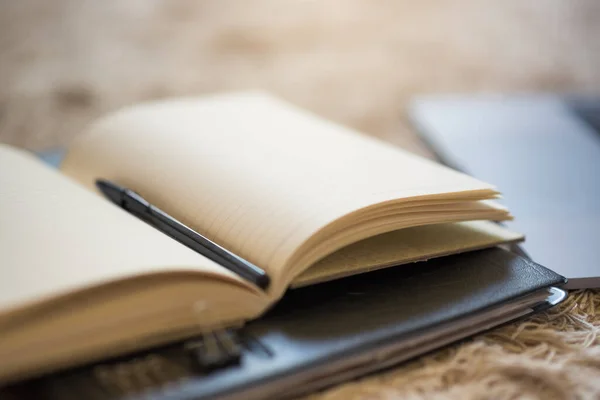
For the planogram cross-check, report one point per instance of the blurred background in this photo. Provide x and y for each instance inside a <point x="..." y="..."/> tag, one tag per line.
<point x="65" y="62"/>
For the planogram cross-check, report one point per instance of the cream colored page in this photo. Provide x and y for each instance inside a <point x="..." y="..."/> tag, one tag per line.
<point x="57" y="237"/>
<point x="253" y="173"/>
<point x="407" y="245"/>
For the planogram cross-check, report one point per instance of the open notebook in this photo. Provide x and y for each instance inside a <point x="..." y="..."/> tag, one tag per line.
<point x="306" y="200"/>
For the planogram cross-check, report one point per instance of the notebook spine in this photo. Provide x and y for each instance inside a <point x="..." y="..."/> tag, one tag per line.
<point x="215" y="350"/>
<point x="158" y="370"/>
<point x="198" y="356"/>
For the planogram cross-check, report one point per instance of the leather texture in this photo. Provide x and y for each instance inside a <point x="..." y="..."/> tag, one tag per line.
<point x="313" y="327"/>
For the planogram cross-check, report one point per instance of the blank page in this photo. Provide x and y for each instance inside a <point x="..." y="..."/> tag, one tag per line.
<point x="407" y="245"/>
<point x="57" y="237"/>
<point x="253" y="173"/>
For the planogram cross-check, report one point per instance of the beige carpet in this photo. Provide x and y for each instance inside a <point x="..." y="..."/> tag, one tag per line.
<point x="63" y="63"/>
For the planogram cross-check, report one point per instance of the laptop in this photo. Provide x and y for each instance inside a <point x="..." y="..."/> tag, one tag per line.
<point x="544" y="153"/>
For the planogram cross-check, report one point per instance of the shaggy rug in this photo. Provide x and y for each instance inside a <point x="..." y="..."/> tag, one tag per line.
<point x="65" y="62"/>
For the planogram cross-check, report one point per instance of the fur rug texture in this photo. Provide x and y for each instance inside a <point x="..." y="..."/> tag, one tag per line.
<point x="358" y="62"/>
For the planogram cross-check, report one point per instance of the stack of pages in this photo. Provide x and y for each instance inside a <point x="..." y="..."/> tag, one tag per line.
<point x="304" y="199"/>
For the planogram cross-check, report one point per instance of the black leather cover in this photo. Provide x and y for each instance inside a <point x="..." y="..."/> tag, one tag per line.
<point x="313" y="328"/>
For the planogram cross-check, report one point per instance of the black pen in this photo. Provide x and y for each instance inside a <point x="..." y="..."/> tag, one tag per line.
<point x="136" y="205"/>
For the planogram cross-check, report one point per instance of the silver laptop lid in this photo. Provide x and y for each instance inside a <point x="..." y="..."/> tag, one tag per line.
<point x="544" y="158"/>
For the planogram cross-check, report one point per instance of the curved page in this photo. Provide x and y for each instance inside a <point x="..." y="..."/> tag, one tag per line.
<point x="255" y="174"/>
<point x="57" y="238"/>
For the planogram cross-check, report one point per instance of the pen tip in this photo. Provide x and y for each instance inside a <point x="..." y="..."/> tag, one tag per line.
<point x="264" y="281"/>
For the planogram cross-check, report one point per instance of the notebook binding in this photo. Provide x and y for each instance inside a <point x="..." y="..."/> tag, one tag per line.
<point x="202" y="355"/>
<point x="215" y="350"/>
<point x="159" y="370"/>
